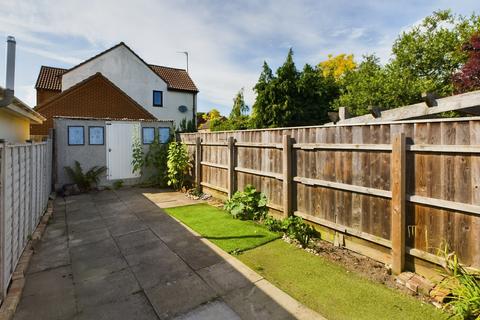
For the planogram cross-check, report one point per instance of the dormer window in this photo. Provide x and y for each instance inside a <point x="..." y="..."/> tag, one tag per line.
<point x="157" y="98"/>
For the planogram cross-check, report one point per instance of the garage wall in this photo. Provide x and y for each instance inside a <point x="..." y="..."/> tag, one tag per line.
<point x="88" y="155"/>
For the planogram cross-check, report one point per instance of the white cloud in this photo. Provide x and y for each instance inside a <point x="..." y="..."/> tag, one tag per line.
<point x="227" y="40"/>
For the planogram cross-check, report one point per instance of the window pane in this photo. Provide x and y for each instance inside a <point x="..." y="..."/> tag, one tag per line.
<point x="164" y="134"/>
<point x="76" y="136"/>
<point x="148" y="135"/>
<point x="96" y="135"/>
<point x="157" y="98"/>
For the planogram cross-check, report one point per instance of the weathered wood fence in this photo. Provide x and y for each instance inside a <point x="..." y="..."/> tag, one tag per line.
<point x="25" y="185"/>
<point x="397" y="192"/>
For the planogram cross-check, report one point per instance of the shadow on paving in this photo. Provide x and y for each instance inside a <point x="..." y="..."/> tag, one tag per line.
<point x="117" y="255"/>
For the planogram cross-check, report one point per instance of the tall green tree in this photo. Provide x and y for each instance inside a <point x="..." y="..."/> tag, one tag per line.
<point x="425" y="58"/>
<point x="316" y="93"/>
<point x="431" y="51"/>
<point x="239" y="108"/>
<point x="290" y="97"/>
<point x="275" y="105"/>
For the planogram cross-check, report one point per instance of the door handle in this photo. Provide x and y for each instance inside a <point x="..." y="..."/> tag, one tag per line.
<point x="109" y="149"/>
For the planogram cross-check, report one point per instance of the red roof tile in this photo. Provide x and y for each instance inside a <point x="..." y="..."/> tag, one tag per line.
<point x="50" y="78"/>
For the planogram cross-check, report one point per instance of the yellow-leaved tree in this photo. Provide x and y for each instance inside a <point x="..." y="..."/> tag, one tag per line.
<point x="337" y="66"/>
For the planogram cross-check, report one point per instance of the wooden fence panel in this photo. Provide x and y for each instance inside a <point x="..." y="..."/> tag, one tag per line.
<point x="341" y="179"/>
<point x="25" y="185"/>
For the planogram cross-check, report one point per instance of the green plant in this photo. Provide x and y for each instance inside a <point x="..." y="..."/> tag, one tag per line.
<point x="295" y="228"/>
<point x="248" y="204"/>
<point x="156" y="159"/>
<point x="138" y="160"/>
<point x="178" y="165"/>
<point x="84" y="181"/>
<point x="118" y="184"/>
<point x="464" y="286"/>
<point x="273" y="224"/>
<point x="187" y="125"/>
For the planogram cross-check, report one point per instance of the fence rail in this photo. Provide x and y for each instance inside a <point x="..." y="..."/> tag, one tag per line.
<point x="25" y="185"/>
<point x="408" y="187"/>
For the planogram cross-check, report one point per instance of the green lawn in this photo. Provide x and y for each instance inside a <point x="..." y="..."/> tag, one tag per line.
<point x="316" y="282"/>
<point x="219" y="227"/>
<point x="330" y="289"/>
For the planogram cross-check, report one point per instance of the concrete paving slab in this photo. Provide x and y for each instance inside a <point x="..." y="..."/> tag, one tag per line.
<point x="126" y="259"/>
<point x="49" y="257"/>
<point x="87" y="237"/>
<point x="166" y="269"/>
<point x="113" y="287"/>
<point x="223" y="278"/>
<point x="138" y="241"/>
<point x="42" y="293"/>
<point x="178" y="296"/>
<point x="95" y="250"/>
<point x="86" y="225"/>
<point x="126" y="226"/>
<point x="85" y="269"/>
<point x="136" y="307"/>
<point x="216" y="310"/>
<point x="150" y="253"/>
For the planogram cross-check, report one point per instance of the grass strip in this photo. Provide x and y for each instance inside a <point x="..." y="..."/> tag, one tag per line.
<point x="218" y="226"/>
<point x="330" y="289"/>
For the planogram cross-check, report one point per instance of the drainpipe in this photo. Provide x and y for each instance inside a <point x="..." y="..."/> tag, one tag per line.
<point x="10" y="71"/>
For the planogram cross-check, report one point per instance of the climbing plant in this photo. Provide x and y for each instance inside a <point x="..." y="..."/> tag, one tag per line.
<point x="178" y="164"/>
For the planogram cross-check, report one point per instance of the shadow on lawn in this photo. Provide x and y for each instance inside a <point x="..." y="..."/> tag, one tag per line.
<point x="236" y="237"/>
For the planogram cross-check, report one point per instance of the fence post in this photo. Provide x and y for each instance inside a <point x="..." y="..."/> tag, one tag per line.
<point x="198" y="164"/>
<point x="2" y="219"/>
<point x="287" y="174"/>
<point x="231" y="167"/>
<point x="398" y="173"/>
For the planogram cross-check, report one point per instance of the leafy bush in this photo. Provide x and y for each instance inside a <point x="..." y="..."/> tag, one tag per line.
<point x="273" y="224"/>
<point x="178" y="164"/>
<point x="248" y="204"/>
<point x="156" y="159"/>
<point x="293" y="227"/>
<point x="465" y="289"/>
<point x="84" y="181"/>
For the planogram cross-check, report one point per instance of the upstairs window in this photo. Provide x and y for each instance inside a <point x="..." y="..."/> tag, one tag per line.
<point x="157" y="98"/>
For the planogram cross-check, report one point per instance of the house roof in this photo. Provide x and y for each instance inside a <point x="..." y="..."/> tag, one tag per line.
<point x="49" y="78"/>
<point x="20" y="108"/>
<point x="94" y="97"/>
<point x="111" y="119"/>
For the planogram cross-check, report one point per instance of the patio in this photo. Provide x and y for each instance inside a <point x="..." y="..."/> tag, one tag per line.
<point x="117" y="255"/>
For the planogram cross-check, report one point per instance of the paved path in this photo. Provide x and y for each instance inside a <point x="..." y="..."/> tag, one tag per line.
<point x="117" y="255"/>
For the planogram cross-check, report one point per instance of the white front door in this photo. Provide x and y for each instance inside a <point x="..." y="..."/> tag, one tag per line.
<point x="120" y="138"/>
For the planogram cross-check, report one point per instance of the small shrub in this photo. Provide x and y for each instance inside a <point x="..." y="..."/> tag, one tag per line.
<point x="465" y="289"/>
<point x="248" y="204"/>
<point x="295" y="228"/>
<point x="84" y="181"/>
<point x="273" y="224"/>
<point x="178" y="164"/>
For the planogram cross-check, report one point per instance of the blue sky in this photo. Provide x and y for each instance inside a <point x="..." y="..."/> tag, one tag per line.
<point x="227" y="40"/>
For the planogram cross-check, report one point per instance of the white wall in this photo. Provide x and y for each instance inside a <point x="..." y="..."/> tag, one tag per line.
<point x="131" y="75"/>
<point x="13" y="129"/>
